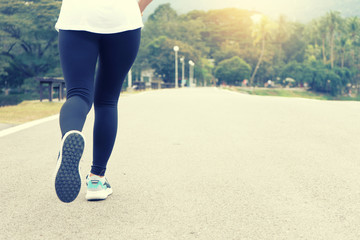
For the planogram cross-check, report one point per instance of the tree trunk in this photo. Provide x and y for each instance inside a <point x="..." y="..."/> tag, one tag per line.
<point x="280" y="52"/>
<point x="352" y="53"/>
<point x="323" y="50"/>
<point x="259" y="62"/>
<point x="332" y="49"/>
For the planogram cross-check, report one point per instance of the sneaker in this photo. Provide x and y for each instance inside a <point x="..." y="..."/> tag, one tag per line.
<point x="98" y="188"/>
<point x="67" y="177"/>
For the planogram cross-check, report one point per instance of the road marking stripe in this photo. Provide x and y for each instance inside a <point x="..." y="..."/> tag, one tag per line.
<point x="23" y="126"/>
<point x="20" y="127"/>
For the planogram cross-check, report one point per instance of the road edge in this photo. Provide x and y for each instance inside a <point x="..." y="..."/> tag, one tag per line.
<point x="26" y="125"/>
<point x="17" y="128"/>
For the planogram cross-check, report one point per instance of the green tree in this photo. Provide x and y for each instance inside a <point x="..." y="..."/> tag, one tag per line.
<point x="322" y="28"/>
<point x="228" y="49"/>
<point x="28" y="39"/>
<point x="233" y="70"/>
<point x="207" y="67"/>
<point x="224" y="25"/>
<point x="281" y="35"/>
<point x="295" y="46"/>
<point x="163" y="22"/>
<point x="161" y="56"/>
<point x="334" y="21"/>
<point x="325" y="79"/>
<point x="300" y="72"/>
<point x="354" y="35"/>
<point x="344" y="47"/>
<point x="261" y="33"/>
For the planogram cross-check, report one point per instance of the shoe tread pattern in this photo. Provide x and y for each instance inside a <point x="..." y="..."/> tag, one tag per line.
<point x="68" y="181"/>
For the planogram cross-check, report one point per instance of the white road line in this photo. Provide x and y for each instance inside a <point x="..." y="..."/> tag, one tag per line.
<point x="26" y="125"/>
<point x="20" y="127"/>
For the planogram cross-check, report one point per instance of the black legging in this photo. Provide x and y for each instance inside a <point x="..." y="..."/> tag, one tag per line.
<point x="79" y="51"/>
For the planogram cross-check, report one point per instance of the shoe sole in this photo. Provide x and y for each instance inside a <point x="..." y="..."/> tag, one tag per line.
<point x="67" y="176"/>
<point x="98" y="195"/>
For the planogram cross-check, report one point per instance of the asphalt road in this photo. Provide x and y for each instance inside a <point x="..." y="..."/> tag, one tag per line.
<point x="5" y="125"/>
<point x="197" y="164"/>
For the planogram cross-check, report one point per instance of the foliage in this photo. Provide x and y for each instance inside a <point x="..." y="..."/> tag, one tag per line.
<point x="28" y="39"/>
<point x="162" y="56"/>
<point x="204" y="72"/>
<point x="233" y="70"/>
<point x="6" y="100"/>
<point x="300" y="72"/>
<point x="223" y="43"/>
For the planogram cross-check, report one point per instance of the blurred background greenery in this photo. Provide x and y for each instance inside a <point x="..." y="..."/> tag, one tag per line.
<point x="319" y="54"/>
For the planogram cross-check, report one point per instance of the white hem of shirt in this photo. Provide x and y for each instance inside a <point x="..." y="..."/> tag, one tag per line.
<point x="98" y="30"/>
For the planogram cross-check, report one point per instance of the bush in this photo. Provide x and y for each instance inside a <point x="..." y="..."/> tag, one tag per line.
<point x="233" y="70"/>
<point x="30" y="89"/>
<point x="6" y="100"/>
<point x="27" y="91"/>
<point x="320" y="77"/>
<point x="300" y="72"/>
<point x="335" y="83"/>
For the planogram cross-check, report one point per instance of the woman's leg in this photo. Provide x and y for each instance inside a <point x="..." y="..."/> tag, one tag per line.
<point x="78" y="56"/>
<point x="117" y="53"/>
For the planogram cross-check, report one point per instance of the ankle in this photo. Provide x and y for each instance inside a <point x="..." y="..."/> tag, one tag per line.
<point x="91" y="174"/>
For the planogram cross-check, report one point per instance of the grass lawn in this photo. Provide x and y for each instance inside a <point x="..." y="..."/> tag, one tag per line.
<point x="288" y="92"/>
<point x="31" y="110"/>
<point x="28" y="111"/>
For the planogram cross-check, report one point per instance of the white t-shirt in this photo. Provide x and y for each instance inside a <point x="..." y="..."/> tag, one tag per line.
<point x="99" y="16"/>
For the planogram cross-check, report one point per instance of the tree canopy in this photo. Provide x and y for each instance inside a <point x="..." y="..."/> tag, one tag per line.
<point x="28" y="44"/>
<point x="324" y="53"/>
<point x="233" y="70"/>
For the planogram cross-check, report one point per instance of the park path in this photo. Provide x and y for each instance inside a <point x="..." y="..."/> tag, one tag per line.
<point x="197" y="163"/>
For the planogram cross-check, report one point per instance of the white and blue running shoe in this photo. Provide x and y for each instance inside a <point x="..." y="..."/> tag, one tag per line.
<point x="98" y="188"/>
<point x="67" y="176"/>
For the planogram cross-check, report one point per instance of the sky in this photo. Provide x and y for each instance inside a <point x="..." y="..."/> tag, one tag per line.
<point x="296" y="10"/>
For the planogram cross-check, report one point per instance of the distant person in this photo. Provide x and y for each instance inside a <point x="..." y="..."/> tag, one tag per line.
<point x="245" y="83"/>
<point x="90" y="30"/>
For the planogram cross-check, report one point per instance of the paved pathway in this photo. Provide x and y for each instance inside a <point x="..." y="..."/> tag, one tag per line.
<point x="197" y="164"/>
<point x="5" y="125"/>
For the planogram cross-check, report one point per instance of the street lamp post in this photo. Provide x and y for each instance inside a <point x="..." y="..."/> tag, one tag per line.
<point x="176" y="49"/>
<point x="182" y="60"/>
<point x="191" y="72"/>
<point x="129" y="79"/>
